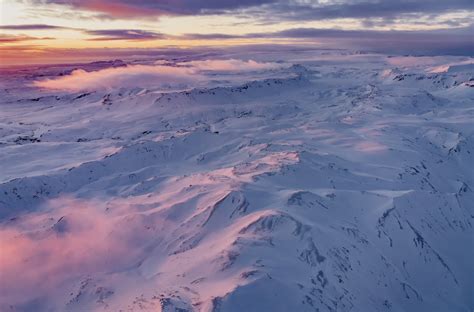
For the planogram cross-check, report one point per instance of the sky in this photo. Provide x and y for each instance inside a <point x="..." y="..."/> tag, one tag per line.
<point x="42" y="31"/>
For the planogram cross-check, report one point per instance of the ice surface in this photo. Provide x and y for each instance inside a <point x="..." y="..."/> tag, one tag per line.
<point x="332" y="181"/>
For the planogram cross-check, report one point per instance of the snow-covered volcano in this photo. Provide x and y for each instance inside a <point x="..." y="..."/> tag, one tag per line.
<point x="311" y="182"/>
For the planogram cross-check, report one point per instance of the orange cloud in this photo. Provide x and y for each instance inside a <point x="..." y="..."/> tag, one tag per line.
<point x="20" y="38"/>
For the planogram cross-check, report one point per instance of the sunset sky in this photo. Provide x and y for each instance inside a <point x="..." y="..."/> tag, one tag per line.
<point x="41" y="31"/>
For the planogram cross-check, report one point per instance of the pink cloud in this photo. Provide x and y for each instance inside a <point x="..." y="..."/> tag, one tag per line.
<point x="183" y="76"/>
<point x="230" y="65"/>
<point x="130" y="76"/>
<point x="153" y="8"/>
<point x="73" y="238"/>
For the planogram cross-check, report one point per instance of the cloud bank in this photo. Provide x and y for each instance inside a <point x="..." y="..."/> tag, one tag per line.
<point x="455" y="41"/>
<point x="230" y="65"/>
<point x="182" y="76"/>
<point x="146" y="76"/>
<point x="268" y="9"/>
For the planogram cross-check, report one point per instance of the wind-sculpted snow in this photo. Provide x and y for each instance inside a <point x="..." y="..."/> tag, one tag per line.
<point x="325" y="186"/>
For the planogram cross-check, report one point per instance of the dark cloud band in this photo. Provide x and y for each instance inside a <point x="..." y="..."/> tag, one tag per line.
<point x="123" y="34"/>
<point x="268" y="9"/>
<point x="31" y="27"/>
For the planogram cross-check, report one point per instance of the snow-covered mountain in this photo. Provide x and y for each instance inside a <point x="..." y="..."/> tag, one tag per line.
<point x="316" y="182"/>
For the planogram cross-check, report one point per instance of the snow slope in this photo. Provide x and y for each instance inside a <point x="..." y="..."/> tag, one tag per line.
<point x="339" y="182"/>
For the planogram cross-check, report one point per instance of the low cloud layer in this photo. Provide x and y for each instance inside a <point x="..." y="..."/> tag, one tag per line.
<point x="230" y="65"/>
<point x="182" y="76"/>
<point x="123" y="34"/>
<point x="69" y="239"/>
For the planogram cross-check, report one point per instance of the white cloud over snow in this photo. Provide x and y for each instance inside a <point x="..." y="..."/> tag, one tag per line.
<point x="185" y="75"/>
<point x="230" y="65"/>
<point x="129" y="76"/>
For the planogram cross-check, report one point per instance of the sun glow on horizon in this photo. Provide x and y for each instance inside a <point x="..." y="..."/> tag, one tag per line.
<point x="44" y="31"/>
